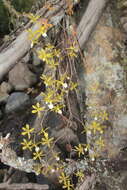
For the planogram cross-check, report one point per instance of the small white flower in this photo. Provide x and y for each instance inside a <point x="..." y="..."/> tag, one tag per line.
<point x="44" y="35"/>
<point x="65" y="85"/>
<point x="95" y="118"/>
<point x="37" y="149"/>
<point x="93" y="159"/>
<point x="50" y="106"/>
<point x="52" y="170"/>
<point x="92" y="153"/>
<point x="32" y="45"/>
<point x="84" y="116"/>
<point x="86" y="149"/>
<point x="57" y="158"/>
<point x="60" y="112"/>
<point x="89" y="132"/>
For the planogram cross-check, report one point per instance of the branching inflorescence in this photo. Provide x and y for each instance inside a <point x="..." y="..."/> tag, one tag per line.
<point x="54" y="97"/>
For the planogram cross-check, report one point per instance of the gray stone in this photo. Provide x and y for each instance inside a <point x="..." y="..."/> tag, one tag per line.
<point x="21" y="77"/>
<point x="17" y="101"/>
<point x="35" y="60"/>
<point x="38" y="98"/>
<point x="67" y="135"/>
<point x="3" y="97"/>
<point x="6" y="87"/>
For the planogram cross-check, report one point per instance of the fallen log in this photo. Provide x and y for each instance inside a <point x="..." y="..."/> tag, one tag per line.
<point x="21" y="45"/>
<point x="89" y="20"/>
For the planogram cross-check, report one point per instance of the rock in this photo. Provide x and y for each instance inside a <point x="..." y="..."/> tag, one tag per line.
<point x="3" y="97"/>
<point x="21" y="77"/>
<point x="38" y="98"/>
<point x="54" y="121"/>
<point x="19" y="177"/>
<point x="35" y="60"/>
<point x="41" y="179"/>
<point x="58" y="128"/>
<point x="67" y="135"/>
<point x="6" y="87"/>
<point x="17" y="101"/>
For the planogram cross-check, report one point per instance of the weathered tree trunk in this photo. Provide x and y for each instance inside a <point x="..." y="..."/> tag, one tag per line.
<point x="106" y="84"/>
<point x="89" y="20"/>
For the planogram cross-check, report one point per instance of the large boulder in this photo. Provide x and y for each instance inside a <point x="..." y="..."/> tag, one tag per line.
<point x="3" y="97"/>
<point x="6" y="87"/>
<point x="21" y="77"/>
<point x="17" y="101"/>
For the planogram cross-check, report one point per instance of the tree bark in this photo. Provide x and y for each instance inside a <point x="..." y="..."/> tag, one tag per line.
<point x="89" y="20"/>
<point x="106" y="84"/>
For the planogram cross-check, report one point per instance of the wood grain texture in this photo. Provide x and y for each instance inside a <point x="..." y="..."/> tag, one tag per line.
<point x="89" y="20"/>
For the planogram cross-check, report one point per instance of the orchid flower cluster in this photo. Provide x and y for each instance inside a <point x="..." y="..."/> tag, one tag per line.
<point x="54" y="98"/>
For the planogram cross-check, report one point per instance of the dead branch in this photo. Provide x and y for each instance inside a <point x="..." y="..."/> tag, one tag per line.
<point x="89" y="20"/>
<point x="19" y="47"/>
<point x="8" y="156"/>
<point x="22" y="186"/>
<point x="8" y="175"/>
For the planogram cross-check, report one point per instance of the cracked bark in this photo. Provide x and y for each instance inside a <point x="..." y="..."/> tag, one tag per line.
<point x="106" y="81"/>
